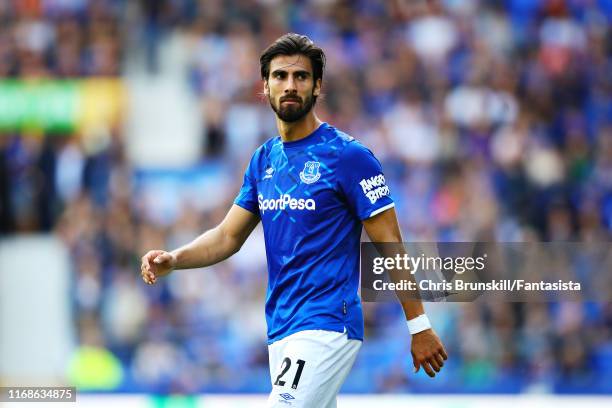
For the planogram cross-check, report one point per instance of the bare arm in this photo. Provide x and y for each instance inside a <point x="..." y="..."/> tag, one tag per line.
<point x="219" y="243"/>
<point x="211" y="247"/>
<point x="385" y="228"/>
<point x="427" y="349"/>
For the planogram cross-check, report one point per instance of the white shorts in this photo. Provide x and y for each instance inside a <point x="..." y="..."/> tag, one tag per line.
<point x="308" y="368"/>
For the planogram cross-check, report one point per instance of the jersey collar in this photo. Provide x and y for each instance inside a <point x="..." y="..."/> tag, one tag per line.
<point x="310" y="139"/>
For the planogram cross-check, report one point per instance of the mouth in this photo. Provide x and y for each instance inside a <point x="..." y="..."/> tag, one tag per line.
<point x="296" y="101"/>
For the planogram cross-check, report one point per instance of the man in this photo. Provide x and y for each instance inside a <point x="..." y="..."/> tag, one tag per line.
<point x="310" y="187"/>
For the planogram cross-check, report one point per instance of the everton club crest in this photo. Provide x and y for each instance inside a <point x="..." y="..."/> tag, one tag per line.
<point x="310" y="174"/>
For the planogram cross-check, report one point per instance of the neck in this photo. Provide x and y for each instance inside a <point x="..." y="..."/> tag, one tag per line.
<point x="292" y="131"/>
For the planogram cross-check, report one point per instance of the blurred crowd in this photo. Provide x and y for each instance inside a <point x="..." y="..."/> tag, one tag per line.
<point x="59" y="39"/>
<point x="492" y="120"/>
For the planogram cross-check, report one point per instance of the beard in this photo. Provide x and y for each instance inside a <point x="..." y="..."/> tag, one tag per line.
<point x="292" y="112"/>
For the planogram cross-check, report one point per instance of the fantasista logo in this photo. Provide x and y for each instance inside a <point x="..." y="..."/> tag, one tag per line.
<point x="285" y="201"/>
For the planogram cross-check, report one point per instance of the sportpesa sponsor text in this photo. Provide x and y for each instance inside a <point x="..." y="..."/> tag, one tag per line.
<point x="285" y="201"/>
<point x="373" y="188"/>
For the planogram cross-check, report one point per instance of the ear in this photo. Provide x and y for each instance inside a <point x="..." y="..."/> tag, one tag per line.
<point x="317" y="88"/>
<point x="266" y="89"/>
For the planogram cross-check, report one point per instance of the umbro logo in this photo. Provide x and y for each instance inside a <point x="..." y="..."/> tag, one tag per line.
<point x="269" y="173"/>
<point x="286" y="396"/>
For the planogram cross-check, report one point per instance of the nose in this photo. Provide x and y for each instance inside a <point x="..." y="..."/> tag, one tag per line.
<point x="291" y="85"/>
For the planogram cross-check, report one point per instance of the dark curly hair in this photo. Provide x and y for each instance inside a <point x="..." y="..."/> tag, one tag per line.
<point x="292" y="44"/>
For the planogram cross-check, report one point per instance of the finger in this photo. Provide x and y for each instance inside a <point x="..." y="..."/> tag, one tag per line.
<point x="416" y="364"/>
<point x="151" y="276"/>
<point x="427" y="368"/>
<point x="439" y="359"/>
<point x="165" y="257"/>
<point x="149" y="260"/>
<point x="145" y="261"/>
<point x="145" y="276"/>
<point x="443" y="353"/>
<point x="434" y="364"/>
<point x="145" y="271"/>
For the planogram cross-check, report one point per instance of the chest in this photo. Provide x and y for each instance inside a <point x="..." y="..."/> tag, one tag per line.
<point x="296" y="186"/>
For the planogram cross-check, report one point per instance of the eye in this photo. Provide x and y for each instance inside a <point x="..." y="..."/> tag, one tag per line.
<point x="301" y="76"/>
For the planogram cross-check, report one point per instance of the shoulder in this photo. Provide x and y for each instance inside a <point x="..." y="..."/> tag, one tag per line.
<point x="353" y="152"/>
<point x="338" y="137"/>
<point x="357" y="160"/>
<point x="347" y="146"/>
<point x="264" y="151"/>
<point x="346" y="143"/>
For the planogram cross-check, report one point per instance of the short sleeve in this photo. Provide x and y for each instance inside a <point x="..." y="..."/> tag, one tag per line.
<point x="362" y="181"/>
<point x="247" y="196"/>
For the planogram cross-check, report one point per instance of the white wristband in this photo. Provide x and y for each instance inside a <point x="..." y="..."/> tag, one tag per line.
<point x="418" y="324"/>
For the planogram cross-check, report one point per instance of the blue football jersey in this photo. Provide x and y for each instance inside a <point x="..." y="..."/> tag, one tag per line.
<point x="311" y="196"/>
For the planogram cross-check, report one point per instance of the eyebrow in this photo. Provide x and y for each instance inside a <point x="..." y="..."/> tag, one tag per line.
<point x="298" y="72"/>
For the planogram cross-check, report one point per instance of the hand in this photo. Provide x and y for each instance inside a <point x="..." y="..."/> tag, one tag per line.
<point x="428" y="352"/>
<point x="156" y="263"/>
